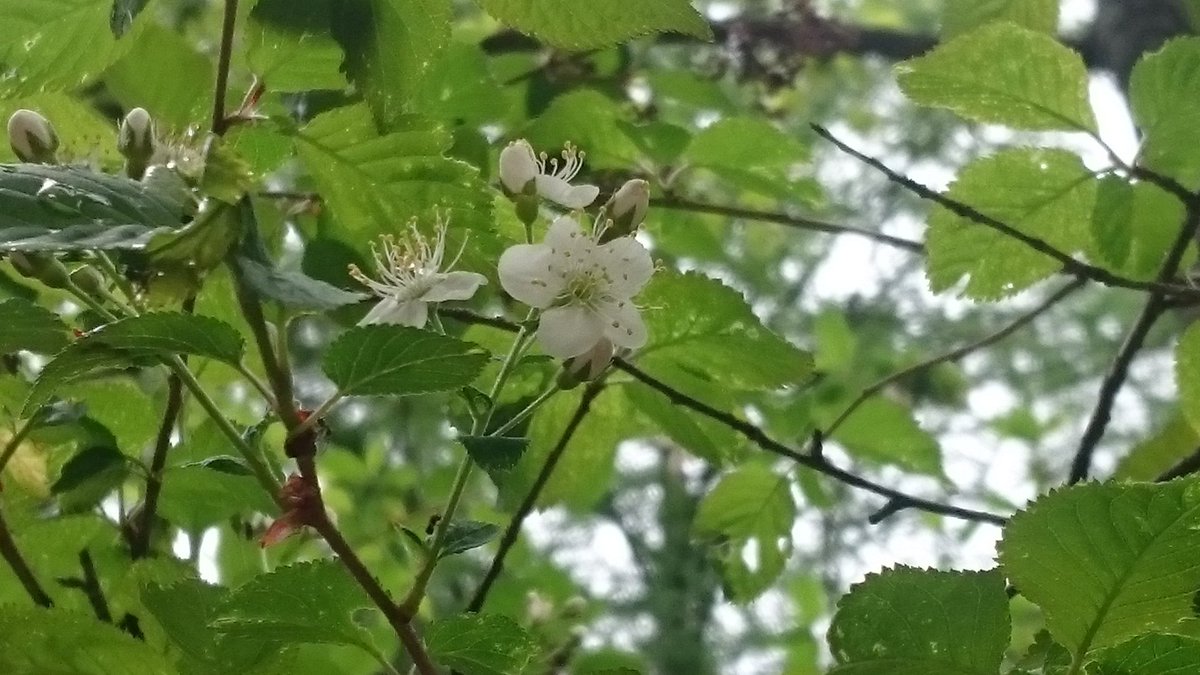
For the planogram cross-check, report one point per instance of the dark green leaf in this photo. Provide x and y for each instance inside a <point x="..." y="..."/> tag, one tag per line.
<point x="166" y="333"/>
<point x="464" y="535"/>
<point x="29" y="326"/>
<point x="495" y="453"/>
<point x="294" y="289"/>
<point x="1151" y="654"/>
<point x="907" y="621"/>
<point x="385" y="360"/>
<point x="89" y="476"/>
<point x="599" y="23"/>
<point x="1158" y="83"/>
<point x="36" y="640"/>
<point x="481" y="644"/>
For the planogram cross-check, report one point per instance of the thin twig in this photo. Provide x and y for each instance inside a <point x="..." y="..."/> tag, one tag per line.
<point x="1114" y="380"/>
<point x="955" y="354"/>
<point x="1070" y="264"/>
<point x="277" y="377"/>
<point x="91" y="587"/>
<point x="142" y="535"/>
<point x="813" y="459"/>
<point x="513" y="531"/>
<point x="787" y="220"/>
<point x="12" y="555"/>
<point x="228" y="24"/>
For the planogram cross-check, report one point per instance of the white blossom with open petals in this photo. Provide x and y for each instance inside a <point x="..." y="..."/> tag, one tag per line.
<point x="584" y="288"/>
<point x="411" y="277"/>
<point x="520" y="165"/>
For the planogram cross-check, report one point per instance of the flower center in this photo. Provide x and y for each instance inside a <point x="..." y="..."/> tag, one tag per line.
<point x="585" y="286"/>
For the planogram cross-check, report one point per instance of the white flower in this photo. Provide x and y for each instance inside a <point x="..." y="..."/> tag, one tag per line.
<point x="32" y="137"/>
<point x="411" y="277"/>
<point x="627" y="208"/>
<point x="583" y="287"/>
<point x="519" y="166"/>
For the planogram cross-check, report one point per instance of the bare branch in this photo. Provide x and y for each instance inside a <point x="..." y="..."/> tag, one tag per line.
<point x="12" y="555"/>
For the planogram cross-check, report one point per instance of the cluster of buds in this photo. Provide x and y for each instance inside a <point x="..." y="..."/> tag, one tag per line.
<point x="34" y="140"/>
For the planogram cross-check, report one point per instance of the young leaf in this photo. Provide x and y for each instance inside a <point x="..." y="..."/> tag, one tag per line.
<point x="464" y="535"/>
<point x="385" y="360"/>
<point x="481" y="644"/>
<point x="294" y="289"/>
<point x="907" y="621"/>
<point x="30" y="326"/>
<point x="1158" y="83"/>
<point x="1044" y="193"/>
<point x="36" y="640"/>
<point x="751" y="507"/>
<point x="495" y="453"/>
<point x="1150" y="654"/>
<point x="884" y="431"/>
<point x="1107" y="562"/>
<point x="599" y="23"/>
<point x="1150" y="458"/>
<point x="975" y="76"/>
<point x="966" y="15"/>
<point x="1187" y="374"/>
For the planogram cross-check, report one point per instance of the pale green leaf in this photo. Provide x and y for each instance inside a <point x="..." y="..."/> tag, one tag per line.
<point x="599" y="23"/>
<point x="81" y="360"/>
<point x="591" y="122"/>
<point x="961" y="16"/>
<point x="1158" y="84"/>
<point x="1107" y="561"/>
<point x="185" y="609"/>
<point x="1150" y="458"/>
<point x="385" y="360"/>
<point x="908" y="621"/>
<point x="1044" y="193"/>
<point x="290" y="46"/>
<point x="885" y="432"/>
<point x="749" y="152"/>
<point x="1152" y="654"/>
<point x="162" y="72"/>
<point x="36" y="640"/>
<point x="482" y="644"/>
<point x="977" y="76"/>
<point x="1187" y="374"/>
<point x="751" y="507"/>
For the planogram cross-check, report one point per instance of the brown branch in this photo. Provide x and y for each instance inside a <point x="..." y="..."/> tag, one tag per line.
<point x="143" y="530"/>
<point x="224" y="57"/>
<point x="955" y="354"/>
<point x="513" y="531"/>
<point x="12" y="555"/>
<point x="91" y="587"/>
<point x="787" y="220"/>
<point x="1070" y="264"/>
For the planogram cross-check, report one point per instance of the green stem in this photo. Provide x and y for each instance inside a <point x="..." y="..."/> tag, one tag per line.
<point x="527" y="411"/>
<point x="318" y="414"/>
<point x="257" y="384"/>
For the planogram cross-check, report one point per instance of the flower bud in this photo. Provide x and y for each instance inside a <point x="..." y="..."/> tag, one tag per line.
<point x="88" y="280"/>
<point x="627" y="209"/>
<point x="32" y="137"/>
<point x="519" y="167"/>
<point x="41" y="266"/>
<point x="587" y="366"/>
<point x="135" y="140"/>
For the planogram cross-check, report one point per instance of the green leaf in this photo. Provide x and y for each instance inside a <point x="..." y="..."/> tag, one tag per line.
<point x="82" y="131"/>
<point x="42" y="44"/>
<point x="89" y="477"/>
<point x="1045" y="193"/>
<point x="36" y="640"/>
<point x="1158" y="83"/>
<point x="695" y="322"/>
<point x="751" y="153"/>
<point x="294" y="289"/>
<point x="1134" y="226"/>
<point x="1107" y="562"/>
<point x="1152" y="654"/>
<point x="185" y="609"/>
<point x="123" y="14"/>
<point x="908" y="621"/>
<point x="568" y="24"/>
<point x="63" y="207"/>
<point x="751" y="508"/>
<point x="162" y="72"/>
<point x="703" y="437"/>
<point x="166" y="333"/>
<point x="1150" y="458"/>
<point x="884" y="431"/>
<point x="79" y="361"/>
<point x="290" y="47"/>
<point x="975" y="76"/>
<point x="963" y="16"/>
<point x="495" y="453"/>
<point x="197" y="496"/>
<point x="311" y="602"/>
<point x="1187" y="374"/>
<point x="385" y="360"/>
<point x="30" y="326"/>
<point x="390" y="45"/>
<point x="481" y="644"/>
<point x="589" y="120"/>
<point x="464" y="535"/>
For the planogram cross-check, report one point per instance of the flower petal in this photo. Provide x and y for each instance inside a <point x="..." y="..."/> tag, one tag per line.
<point x="525" y="274"/>
<point x="454" y="286"/>
<point x="518" y="165"/>
<point x="392" y="311"/>
<point x="567" y="242"/>
<point x="627" y="265"/>
<point x="623" y="324"/>
<point x="561" y="192"/>
<point x="569" y="331"/>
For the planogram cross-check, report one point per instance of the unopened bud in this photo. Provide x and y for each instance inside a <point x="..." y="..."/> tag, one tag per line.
<point x="88" y="280"/>
<point x="627" y="209"/>
<point x="136" y="141"/>
<point x="574" y="607"/>
<point x="32" y="137"/>
<point x="587" y="366"/>
<point x="519" y="167"/>
<point x="41" y="266"/>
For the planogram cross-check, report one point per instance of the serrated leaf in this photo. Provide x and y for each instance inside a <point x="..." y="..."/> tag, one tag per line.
<point x="385" y="360"/>
<point x="63" y="207"/>
<point x="495" y="453"/>
<point x="36" y="640"/>
<point x="695" y="322"/>
<point x="568" y="24"/>
<point x="884" y="431"/>
<point x="1187" y="374"/>
<point x="1156" y="86"/>
<point x="975" y="76"/>
<point x="1045" y="193"/>
<point x="1152" y="654"/>
<point x="389" y="47"/>
<point x="293" y="288"/>
<point x="198" y="496"/>
<point x="481" y="644"/>
<point x="167" y="333"/>
<point x="963" y="16"/>
<point x="79" y="361"/>
<point x="464" y="535"/>
<point x="907" y="621"/>
<point x="750" y="508"/>
<point x="1107" y="561"/>
<point x="30" y="326"/>
<point x="311" y="602"/>
<point x="290" y="46"/>
<point x="185" y="609"/>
